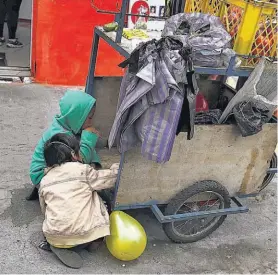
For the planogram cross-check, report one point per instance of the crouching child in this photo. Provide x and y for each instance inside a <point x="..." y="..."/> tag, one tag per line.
<point x="74" y="214"/>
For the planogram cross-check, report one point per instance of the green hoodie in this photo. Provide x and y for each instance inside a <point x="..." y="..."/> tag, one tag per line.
<point x="74" y="107"/>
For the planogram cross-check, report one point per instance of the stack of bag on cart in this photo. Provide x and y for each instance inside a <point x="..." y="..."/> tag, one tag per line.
<point x="204" y="34"/>
<point x="158" y="92"/>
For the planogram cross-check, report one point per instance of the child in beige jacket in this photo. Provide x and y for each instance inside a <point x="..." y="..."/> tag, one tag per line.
<point x="74" y="213"/>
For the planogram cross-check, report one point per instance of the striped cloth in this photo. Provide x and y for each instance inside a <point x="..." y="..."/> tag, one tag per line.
<point x="150" y="104"/>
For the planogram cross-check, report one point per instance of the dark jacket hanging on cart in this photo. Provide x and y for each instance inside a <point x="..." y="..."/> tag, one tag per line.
<point x="187" y="117"/>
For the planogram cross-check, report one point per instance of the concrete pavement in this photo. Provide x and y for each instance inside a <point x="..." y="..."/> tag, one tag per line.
<point x="245" y="243"/>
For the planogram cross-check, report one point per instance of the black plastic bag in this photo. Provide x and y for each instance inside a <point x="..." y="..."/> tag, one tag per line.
<point x="249" y="117"/>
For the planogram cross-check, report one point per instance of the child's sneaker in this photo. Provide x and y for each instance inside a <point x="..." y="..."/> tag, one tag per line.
<point x="44" y="245"/>
<point x="14" y="43"/>
<point x="2" y="40"/>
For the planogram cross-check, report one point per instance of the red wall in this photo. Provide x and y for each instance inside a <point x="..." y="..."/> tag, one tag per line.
<point x="62" y="40"/>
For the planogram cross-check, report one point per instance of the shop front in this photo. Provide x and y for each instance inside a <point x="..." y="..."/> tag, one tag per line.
<point x="62" y="39"/>
<point x="55" y="42"/>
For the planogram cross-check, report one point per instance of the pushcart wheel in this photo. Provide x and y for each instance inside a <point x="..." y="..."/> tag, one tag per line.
<point x="268" y="178"/>
<point x="201" y="196"/>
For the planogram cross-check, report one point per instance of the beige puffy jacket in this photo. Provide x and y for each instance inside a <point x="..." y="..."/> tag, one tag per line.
<point x="74" y="213"/>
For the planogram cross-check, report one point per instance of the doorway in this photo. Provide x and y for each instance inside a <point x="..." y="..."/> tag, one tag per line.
<point x="15" y="61"/>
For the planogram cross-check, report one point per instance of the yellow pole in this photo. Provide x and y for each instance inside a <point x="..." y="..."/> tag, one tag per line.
<point x="247" y="30"/>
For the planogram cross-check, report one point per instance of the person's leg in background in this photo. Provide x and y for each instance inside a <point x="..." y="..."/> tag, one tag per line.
<point x="13" y="7"/>
<point x="2" y="20"/>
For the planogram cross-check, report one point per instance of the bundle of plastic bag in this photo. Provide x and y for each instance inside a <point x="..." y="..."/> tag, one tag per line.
<point x="206" y="36"/>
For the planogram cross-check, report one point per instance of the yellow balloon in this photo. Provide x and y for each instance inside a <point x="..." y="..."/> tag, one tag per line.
<point x="128" y="238"/>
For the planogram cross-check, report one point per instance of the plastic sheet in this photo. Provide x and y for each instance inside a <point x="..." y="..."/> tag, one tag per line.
<point x="250" y="108"/>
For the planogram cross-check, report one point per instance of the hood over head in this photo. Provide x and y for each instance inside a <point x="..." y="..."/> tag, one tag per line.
<point x="74" y="109"/>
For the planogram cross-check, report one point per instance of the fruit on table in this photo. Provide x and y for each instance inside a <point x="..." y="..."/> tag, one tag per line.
<point x="134" y="33"/>
<point x="110" y="27"/>
<point x="141" y="25"/>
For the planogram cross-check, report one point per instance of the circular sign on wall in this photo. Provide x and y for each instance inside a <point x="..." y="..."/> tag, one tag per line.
<point x="139" y="7"/>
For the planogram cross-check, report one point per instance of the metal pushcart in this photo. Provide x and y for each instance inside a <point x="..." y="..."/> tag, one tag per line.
<point x="192" y="194"/>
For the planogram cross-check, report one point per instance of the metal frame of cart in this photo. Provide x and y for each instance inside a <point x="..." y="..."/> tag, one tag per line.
<point x="115" y="43"/>
<point x="99" y="33"/>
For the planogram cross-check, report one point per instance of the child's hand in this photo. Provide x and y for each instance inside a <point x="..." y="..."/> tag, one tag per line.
<point x="92" y="130"/>
<point x="115" y="168"/>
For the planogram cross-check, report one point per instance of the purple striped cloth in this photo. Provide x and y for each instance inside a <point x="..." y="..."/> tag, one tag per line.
<point x="149" y="107"/>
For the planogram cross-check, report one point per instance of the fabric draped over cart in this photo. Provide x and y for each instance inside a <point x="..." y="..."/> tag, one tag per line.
<point x="151" y="99"/>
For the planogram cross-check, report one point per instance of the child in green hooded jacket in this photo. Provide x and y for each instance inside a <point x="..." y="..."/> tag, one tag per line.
<point x="75" y="118"/>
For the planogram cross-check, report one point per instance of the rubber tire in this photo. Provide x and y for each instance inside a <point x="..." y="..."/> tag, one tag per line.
<point x="269" y="177"/>
<point x="194" y="189"/>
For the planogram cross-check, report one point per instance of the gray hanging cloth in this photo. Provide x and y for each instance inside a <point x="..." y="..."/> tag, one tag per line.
<point x="174" y="7"/>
